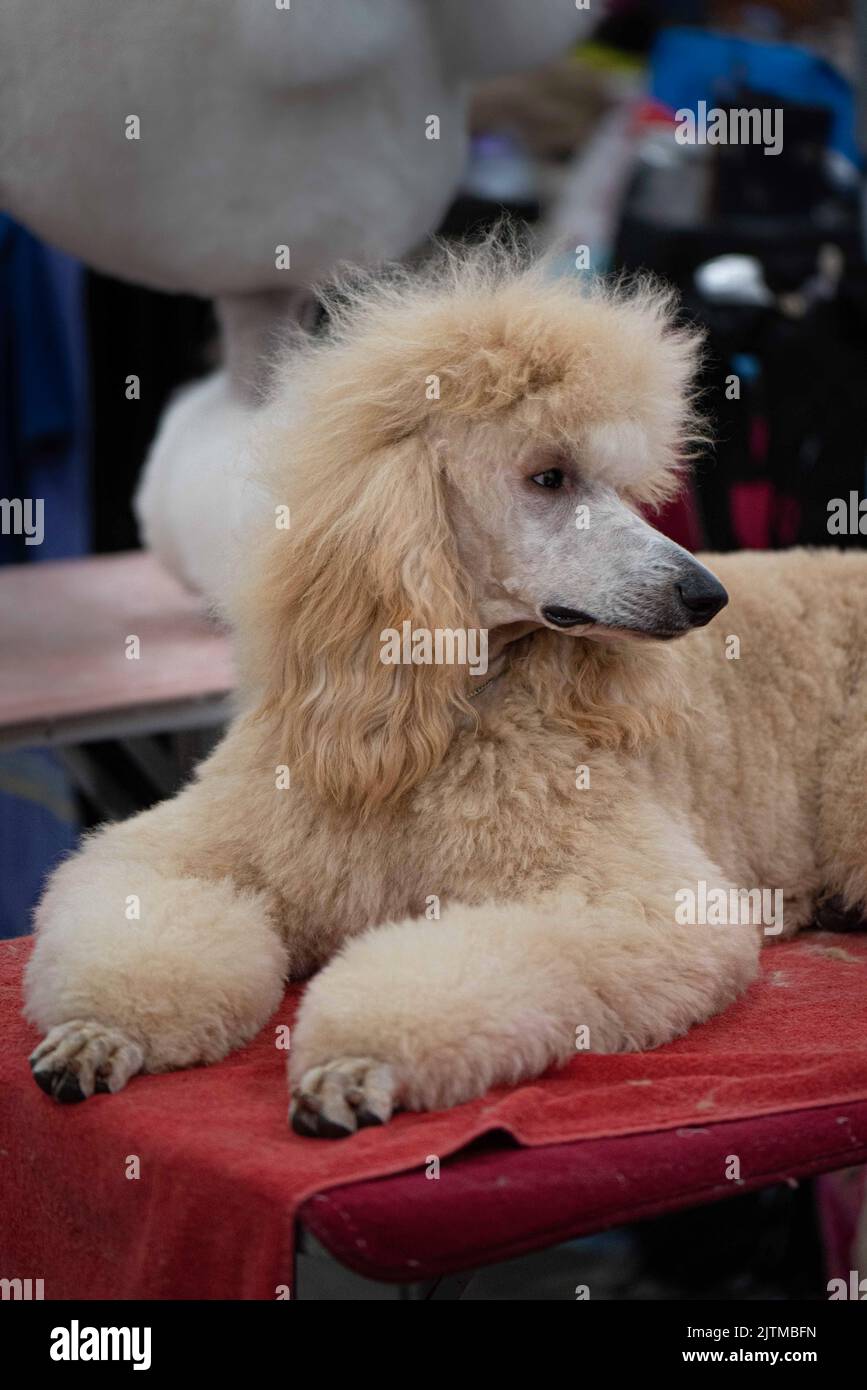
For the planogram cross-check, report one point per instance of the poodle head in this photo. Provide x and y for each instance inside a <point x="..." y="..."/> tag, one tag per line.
<point x="472" y="451"/>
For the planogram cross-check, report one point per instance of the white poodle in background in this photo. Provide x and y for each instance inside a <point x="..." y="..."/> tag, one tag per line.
<point x="262" y="126"/>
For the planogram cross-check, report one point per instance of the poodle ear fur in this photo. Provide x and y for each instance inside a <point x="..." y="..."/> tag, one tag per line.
<point x="370" y="547"/>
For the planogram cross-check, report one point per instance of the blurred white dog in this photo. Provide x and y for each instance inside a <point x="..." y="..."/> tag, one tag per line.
<point x="182" y="145"/>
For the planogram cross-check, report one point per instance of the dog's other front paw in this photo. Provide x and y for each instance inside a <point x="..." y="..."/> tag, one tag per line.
<point x="79" y="1057"/>
<point x="340" y="1097"/>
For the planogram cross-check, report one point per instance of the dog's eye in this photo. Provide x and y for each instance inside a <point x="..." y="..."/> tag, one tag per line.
<point x="552" y="477"/>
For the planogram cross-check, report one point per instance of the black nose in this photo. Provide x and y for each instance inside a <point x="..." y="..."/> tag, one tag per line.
<point x="566" y="617"/>
<point x="703" y="595"/>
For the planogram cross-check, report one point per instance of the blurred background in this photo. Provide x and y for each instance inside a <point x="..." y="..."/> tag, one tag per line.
<point x="766" y="250"/>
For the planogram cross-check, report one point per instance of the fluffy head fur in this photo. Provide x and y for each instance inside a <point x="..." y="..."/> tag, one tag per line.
<point x="423" y="384"/>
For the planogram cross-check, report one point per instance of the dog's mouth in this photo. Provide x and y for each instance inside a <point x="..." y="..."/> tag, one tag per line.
<point x="568" y="619"/>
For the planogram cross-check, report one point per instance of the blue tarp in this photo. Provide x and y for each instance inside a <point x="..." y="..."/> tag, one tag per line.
<point x="43" y="455"/>
<point x="693" y="65"/>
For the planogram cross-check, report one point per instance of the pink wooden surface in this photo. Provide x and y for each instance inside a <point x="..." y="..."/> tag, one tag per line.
<point x="63" y="630"/>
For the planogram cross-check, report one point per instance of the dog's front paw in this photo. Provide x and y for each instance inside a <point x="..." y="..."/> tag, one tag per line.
<point x="340" y="1097"/>
<point x="79" y="1057"/>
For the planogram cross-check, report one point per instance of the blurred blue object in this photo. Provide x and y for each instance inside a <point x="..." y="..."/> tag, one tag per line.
<point x="693" y="65"/>
<point x="39" y="825"/>
<point x="44" y="420"/>
<point x="43" y="393"/>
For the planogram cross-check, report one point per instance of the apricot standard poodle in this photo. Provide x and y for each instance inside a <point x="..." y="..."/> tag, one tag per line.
<point x="569" y="841"/>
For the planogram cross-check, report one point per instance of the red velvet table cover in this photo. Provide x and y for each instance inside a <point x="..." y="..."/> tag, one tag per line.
<point x="212" y="1214"/>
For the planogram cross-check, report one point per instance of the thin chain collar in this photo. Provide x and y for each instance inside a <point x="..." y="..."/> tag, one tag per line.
<point x="474" y="694"/>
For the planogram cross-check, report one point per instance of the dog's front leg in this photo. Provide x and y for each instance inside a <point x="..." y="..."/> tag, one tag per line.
<point x="424" y="1015"/>
<point x="142" y="962"/>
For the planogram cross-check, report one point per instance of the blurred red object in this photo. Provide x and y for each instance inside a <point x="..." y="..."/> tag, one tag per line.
<point x="680" y="520"/>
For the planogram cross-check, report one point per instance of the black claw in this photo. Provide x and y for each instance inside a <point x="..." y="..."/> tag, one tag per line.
<point x="327" y="1129"/>
<point x="304" y="1122"/>
<point x="44" y="1080"/>
<point x="63" y="1085"/>
<point x="68" y="1089"/>
<point x="101" y="1086"/>
<point x="314" y="1126"/>
<point x="367" y="1117"/>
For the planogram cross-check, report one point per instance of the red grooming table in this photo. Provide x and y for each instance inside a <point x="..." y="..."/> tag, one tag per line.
<point x="780" y="1081"/>
<point x="495" y="1202"/>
